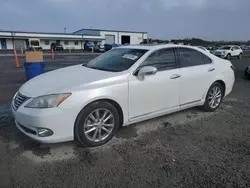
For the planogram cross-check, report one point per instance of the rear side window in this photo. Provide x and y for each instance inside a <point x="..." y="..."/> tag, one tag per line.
<point x="162" y="59"/>
<point x="190" y="57"/>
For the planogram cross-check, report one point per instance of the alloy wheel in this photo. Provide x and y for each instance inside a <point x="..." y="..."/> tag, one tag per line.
<point x="215" y="96"/>
<point x="99" y="125"/>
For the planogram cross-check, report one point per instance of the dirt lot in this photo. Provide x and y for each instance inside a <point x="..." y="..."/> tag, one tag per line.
<point x="186" y="149"/>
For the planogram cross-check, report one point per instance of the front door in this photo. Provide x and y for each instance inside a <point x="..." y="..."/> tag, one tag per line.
<point x="3" y="44"/>
<point x="197" y="72"/>
<point x="155" y="92"/>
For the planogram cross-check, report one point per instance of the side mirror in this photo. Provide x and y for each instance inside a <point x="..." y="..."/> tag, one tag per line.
<point x="147" y="70"/>
<point x="232" y="49"/>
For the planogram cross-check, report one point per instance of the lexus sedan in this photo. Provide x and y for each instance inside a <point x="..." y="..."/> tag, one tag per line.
<point x="89" y="103"/>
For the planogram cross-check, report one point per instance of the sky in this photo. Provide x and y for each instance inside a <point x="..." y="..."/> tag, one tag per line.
<point x="162" y="19"/>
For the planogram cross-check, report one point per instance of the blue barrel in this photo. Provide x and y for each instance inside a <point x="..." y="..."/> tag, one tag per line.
<point x="33" y="69"/>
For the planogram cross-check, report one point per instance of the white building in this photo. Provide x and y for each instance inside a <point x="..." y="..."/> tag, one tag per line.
<point x="118" y="37"/>
<point x="75" y="40"/>
<point x="21" y="39"/>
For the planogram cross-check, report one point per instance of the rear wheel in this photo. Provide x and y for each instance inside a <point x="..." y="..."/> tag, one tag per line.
<point x="228" y="56"/>
<point x="214" y="97"/>
<point x="96" y="124"/>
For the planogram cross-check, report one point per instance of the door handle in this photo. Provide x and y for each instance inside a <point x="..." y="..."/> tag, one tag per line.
<point x="211" y="69"/>
<point x="175" y="76"/>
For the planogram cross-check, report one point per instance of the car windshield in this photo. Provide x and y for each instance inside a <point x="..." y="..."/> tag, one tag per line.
<point x="225" y="48"/>
<point x="116" y="60"/>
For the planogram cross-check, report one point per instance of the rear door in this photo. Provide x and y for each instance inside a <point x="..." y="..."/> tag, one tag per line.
<point x="197" y="72"/>
<point x="237" y="50"/>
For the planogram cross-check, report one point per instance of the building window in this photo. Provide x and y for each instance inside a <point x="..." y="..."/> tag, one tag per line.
<point x="76" y="42"/>
<point x="66" y="42"/>
<point x="46" y="42"/>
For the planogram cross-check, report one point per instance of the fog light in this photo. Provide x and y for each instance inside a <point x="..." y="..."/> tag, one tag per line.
<point x="43" y="132"/>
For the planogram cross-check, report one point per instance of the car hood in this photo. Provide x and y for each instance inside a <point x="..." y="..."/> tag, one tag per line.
<point x="64" y="80"/>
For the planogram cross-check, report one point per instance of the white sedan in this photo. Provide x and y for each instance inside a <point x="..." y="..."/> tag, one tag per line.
<point x="126" y="85"/>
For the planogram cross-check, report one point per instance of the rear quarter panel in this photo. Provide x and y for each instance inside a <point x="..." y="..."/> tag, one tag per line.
<point x="225" y="73"/>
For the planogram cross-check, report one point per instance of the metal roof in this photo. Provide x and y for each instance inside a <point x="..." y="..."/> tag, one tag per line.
<point x="110" y="30"/>
<point x="50" y="33"/>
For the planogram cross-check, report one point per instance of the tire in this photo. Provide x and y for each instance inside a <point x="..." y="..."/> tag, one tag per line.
<point x="246" y="74"/>
<point x="240" y="56"/>
<point x="228" y="56"/>
<point x="85" y="119"/>
<point x="207" y="105"/>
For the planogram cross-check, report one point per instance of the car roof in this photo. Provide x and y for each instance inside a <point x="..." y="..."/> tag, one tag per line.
<point x="156" y="46"/>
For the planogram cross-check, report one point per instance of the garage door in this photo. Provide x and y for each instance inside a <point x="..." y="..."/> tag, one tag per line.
<point x="109" y="39"/>
<point x="20" y="43"/>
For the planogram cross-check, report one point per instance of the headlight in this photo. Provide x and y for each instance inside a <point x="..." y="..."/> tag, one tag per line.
<point x="48" y="101"/>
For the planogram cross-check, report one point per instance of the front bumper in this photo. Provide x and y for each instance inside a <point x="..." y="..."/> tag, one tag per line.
<point x="59" y="121"/>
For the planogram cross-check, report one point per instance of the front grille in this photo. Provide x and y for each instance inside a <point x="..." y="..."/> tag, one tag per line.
<point x="19" y="100"/>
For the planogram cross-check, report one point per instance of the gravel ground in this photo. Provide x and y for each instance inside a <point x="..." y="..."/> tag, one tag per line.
<point x="185" y="149"/>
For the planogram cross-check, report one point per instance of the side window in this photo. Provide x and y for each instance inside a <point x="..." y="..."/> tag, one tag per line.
<point x="162" y="59"/>
<point x="190" y="57"/>
<point x="207" y="60"/>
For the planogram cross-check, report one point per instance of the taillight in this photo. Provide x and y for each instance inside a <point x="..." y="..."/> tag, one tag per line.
<point x="233" y="67"/>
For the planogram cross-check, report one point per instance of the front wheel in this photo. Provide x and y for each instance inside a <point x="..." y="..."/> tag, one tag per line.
<point x="214" y="97"/>
<point x="228" y="56"/>
<point x="96" y="124"/>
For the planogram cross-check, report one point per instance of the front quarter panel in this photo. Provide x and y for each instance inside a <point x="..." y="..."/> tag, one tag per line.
<point x="116" y="91"/>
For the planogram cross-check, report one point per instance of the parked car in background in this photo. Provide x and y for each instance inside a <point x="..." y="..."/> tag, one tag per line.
<point x="56" y="46"/>
<point x="229" y="51"/>
<point x="126" y="85"/>
<point x="108" y="47"/>
<point x="99" y="48"/>
<point x="244" y="47"/>
<point x="212" y="49"/>
<point x="34" y="44"/>
<point x="203" y="48"/>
